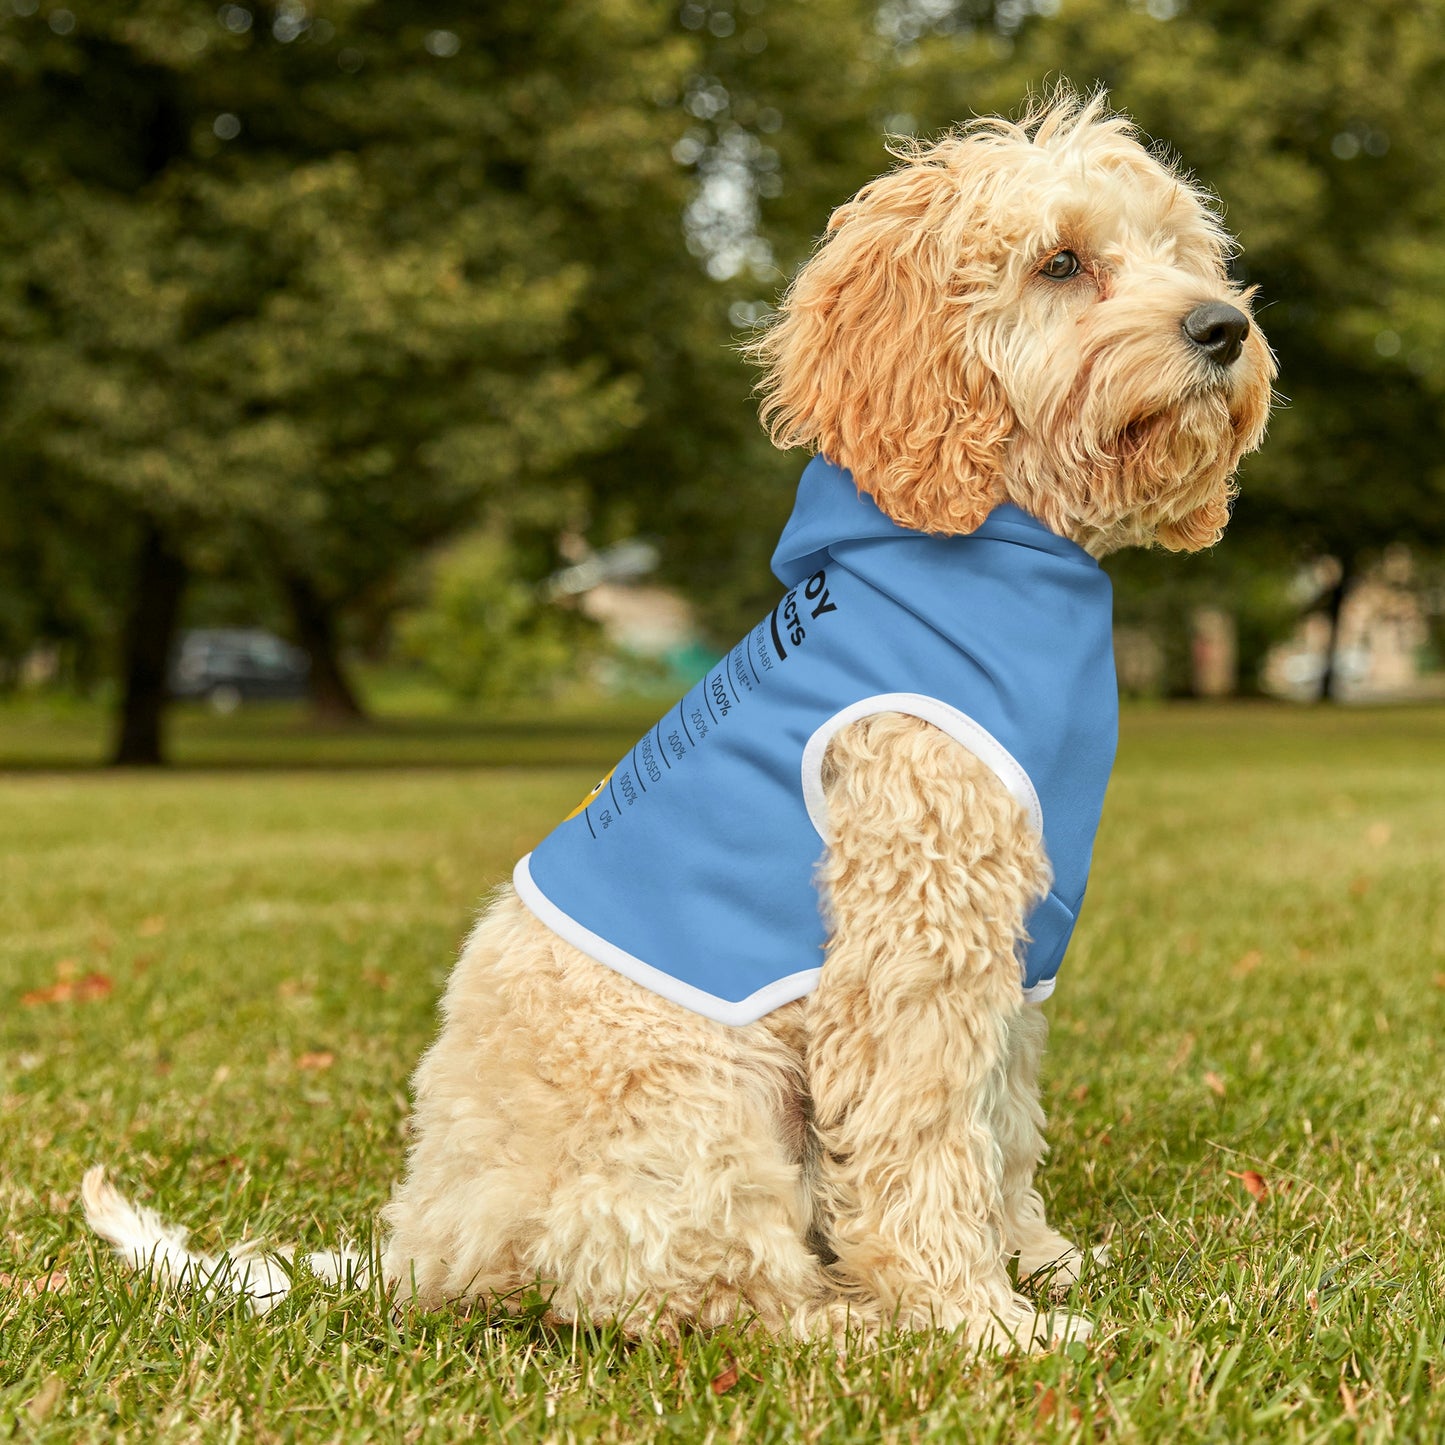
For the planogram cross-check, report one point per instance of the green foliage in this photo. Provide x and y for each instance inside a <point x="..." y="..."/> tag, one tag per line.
<point x="317" y="286"/>
<point x="1160" y="594"/>
<point x="310" y="285"/>
<point x="486" y="633"/>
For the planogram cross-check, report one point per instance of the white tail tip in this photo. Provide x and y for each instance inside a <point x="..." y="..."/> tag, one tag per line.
<point x="147" y="1243"/>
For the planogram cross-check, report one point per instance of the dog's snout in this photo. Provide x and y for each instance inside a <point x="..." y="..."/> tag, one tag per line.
<point x="1218" y="331"/>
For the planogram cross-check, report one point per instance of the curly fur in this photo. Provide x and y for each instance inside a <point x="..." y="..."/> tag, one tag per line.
<point x="865" y="1156"/>
<point x="651" y="1165"/>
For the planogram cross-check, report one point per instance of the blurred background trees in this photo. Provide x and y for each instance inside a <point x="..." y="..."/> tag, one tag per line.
<point x="293" y="295"/>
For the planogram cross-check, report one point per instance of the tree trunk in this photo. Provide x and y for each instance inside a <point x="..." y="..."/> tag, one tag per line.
<point x="333" y="699"/>
<point x="1329" y="679"/>
<point x="150" y="631"/>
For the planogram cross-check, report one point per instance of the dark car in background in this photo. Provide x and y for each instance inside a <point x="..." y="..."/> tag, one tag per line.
<point x="227" y="666"/>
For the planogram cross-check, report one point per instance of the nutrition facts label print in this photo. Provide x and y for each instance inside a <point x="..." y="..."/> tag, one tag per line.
<point x="739" y="676"/>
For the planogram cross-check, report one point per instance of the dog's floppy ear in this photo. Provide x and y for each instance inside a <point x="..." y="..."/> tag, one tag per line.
<point x="872" y="358"/>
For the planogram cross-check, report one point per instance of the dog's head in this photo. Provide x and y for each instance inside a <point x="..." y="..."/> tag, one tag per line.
<point x="1035" y="312"/>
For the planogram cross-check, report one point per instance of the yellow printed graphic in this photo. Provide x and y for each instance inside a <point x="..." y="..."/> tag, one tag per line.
<point x="582" y="806"/>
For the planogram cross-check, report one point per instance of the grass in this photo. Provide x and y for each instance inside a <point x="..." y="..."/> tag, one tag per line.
<point x="216" y="980"/>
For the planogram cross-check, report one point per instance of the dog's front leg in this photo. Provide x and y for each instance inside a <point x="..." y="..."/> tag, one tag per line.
<point x="930" y="870"/>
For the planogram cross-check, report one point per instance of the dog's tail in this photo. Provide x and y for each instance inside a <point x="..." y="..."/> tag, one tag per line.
<point x="147" y="1243"/>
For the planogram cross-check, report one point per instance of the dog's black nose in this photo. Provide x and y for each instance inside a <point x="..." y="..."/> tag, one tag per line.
<point x="1218" y="331"/>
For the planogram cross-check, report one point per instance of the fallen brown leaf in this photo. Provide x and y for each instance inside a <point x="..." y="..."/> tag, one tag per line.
<point x="1254" y="1182"/>
<point x="1440" y="980"/>
<point x="82" y="990"/>
<point x="320" y="1059"/>
<point x="56" y="993"/>
<point x="1214" y="1083"/>
<point x="1248" y="963"/>
<point x="1046" y="1407"/>
<point x="724" y="1382"/>
<point x="1080" y="1094"/>
<point x="56" y="1282"/>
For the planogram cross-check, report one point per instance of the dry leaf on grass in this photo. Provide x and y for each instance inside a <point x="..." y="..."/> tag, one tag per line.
<point x="724" y="1382"/>
<point x="1248" y="963"/>
<point x="1214" y="1083"/>
<point x="320" y="1059"/>
<point x="1254" y="1183"/>
<point x="56" y="1282"/>
<point x="66" y="990"/>
<point x="1046" y="1407"/>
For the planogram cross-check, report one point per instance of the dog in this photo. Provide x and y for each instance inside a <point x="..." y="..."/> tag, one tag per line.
<point x="715" y="1067"/>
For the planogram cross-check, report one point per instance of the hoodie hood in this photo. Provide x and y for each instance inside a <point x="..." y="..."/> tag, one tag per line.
<point x="830" y="511"/>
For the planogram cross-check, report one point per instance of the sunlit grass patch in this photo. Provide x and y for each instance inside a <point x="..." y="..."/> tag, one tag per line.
<point x="217" y="983"/>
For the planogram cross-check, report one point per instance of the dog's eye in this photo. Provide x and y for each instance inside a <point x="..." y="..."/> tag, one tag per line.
<point x="1060" y="266"/>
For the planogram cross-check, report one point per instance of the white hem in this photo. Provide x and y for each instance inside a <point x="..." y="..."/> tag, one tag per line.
<point x="723" y="1011"/>
<point x="958" y="725"/>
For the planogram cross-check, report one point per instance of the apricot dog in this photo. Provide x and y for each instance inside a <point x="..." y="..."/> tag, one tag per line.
<point x="1026" y="321"/>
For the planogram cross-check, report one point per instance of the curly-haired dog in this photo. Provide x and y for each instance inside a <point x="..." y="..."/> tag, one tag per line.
<point x="666" y="1085"/>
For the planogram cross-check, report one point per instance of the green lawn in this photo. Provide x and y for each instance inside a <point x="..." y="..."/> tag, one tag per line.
<point x="217" y="979"/>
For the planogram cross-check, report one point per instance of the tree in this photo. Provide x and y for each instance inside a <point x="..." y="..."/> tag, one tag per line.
<point x="310" y="288"/>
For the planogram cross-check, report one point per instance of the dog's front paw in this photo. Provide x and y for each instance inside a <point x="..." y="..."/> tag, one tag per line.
<point x="1023" y="1326"/>
<point x="1056" y="1267"/>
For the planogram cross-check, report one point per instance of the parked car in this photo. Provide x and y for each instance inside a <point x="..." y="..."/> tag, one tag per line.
<point x="230" y="665"/>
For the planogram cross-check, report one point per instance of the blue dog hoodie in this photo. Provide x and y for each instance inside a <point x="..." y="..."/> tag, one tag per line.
<point x="690" y="866"/>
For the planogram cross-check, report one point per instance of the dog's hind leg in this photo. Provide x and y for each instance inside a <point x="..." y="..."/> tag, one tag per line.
<point x="1018" y="1125"/>
<point x="577" y="1135"/>
<point x="930" y="870"/>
